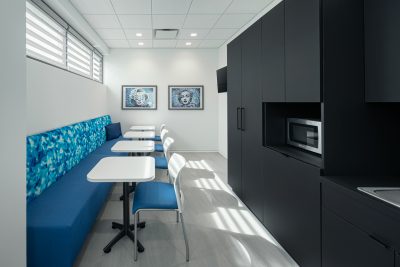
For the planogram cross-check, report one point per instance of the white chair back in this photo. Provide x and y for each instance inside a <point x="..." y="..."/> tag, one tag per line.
<point x="175" y="166"/>
<point x="163" y="134"/>
<point x="162" y="127"/>
<point x="167" y="145"/>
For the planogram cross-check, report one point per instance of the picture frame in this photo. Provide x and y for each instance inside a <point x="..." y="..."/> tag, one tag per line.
<point x="186" y="97"/>
<point x="139" y="97"/>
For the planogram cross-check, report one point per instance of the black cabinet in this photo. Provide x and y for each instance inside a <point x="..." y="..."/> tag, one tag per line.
<point x="382" y="54"/>
<point x="252" y="193"/>
<point x="302" y="50"/>
<point x="292" y="205"/>
<point x="273" y="55"/>
<point x="397" y="260"/>
<point x="344" y="245"/>
<point x="234" y="115"/>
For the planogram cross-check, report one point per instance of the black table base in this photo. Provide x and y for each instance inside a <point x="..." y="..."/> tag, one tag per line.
<point x="126" y="228"/>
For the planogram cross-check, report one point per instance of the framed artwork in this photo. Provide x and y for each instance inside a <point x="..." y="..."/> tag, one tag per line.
<point x="190" y="97"/>
<point x="139" y="97"/>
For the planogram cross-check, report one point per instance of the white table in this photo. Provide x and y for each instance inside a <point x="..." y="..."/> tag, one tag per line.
<point x="139" y="135"/>
<point x="143" y="128"/>
<point x="133" y="146"/>
<point x="123" y="170"/>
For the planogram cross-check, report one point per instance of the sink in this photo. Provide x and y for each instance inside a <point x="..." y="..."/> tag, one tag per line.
<point x="390" y="195"/>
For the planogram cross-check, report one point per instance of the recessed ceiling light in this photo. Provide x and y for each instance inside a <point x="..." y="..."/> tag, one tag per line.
<point x="193" y="34"/>
<point x="139" y="34"/>
<point x="188" y="43"/>
<point x="141" y="43"/>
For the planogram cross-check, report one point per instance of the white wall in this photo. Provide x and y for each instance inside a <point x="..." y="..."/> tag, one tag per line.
<point x="12" y="141"/>
<point x="56" y="97"/>
<point x="192" y="130"/>
<point x="222" y="100"/>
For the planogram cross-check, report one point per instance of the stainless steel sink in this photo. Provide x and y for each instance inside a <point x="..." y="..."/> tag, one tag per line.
<point x="390" y="195"/>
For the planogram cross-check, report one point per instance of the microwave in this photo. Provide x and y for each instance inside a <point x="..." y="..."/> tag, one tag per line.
<point x="305" y="134"/>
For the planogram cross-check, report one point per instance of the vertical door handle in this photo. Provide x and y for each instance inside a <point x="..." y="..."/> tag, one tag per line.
<point x="237" y="118"/>
<point x="242" y="117"/>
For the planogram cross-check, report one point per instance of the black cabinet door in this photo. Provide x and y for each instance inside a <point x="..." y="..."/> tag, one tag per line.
<point x="302" y="50"/>
<point x="273" y="55"/>
<point x="292" y="206"/>
<point x="382" y="54"/>
<point x="397" y="260"/>
<point x="234" y="79"/>
<point x="345" y="245"/>
<point x="252" y="120"/>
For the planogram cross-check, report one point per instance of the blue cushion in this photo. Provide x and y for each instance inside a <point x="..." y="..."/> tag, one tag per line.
<point x="105" y="149"/>
<point x="154" y="195"/>
<point x="158" y="148"/>
<point x="161" y="163"/>
<point x="52" y="154"/>
<point x="157" y="138"/>
<point x="113" y="131"/>
<point x="59" y="221"/>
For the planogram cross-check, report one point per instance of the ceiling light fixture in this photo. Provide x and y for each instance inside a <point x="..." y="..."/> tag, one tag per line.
<point x="188" y="43"/>
<point x="139" y="34"/>
<point x="141" y="43"/>
<point x="193" y="34"/>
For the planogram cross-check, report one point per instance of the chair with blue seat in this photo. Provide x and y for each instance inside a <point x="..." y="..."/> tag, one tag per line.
<point x="158" y="138"/>
<point x="162" y="196"/>
<point x="159" y="147"/>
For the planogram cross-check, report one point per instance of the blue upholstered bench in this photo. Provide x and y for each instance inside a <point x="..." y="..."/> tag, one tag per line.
<point x="62" y="205"/>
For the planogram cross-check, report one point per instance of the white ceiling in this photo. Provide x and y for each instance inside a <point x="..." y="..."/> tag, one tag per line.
<point x="215" y="21"/>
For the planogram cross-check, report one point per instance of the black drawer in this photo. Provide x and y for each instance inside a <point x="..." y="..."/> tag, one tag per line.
<point x="360" y="211"/>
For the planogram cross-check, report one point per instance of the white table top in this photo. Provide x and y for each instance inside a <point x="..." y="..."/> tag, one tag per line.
<point x="143" y="128"/>
<point x="137" y="135"/>
<point x="123" y="169"/>
<point x="133" y="146"/>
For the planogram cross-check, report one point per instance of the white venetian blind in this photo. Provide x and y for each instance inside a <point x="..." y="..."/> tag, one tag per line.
<point x="97" y="67"/>
<point x="79" y="56"/>
<point x="45" y="38"/>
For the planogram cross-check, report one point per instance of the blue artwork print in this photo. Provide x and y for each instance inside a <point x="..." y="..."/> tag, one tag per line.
<point x="186" y="97"/>
<point x="139" y="97"/>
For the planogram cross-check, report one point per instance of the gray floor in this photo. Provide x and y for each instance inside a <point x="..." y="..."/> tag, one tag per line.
<point x="221" y="230"/>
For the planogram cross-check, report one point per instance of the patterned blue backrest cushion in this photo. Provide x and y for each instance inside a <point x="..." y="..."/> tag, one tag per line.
<point x="52" y="154"/>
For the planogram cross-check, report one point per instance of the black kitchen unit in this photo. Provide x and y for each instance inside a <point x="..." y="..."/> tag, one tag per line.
<point x="305" y="59"/>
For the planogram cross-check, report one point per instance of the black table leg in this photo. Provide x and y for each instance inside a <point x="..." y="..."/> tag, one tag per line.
<point x="125" y="227"/>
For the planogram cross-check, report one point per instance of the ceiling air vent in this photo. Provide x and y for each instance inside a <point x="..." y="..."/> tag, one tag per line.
<point x="165" y="33"/>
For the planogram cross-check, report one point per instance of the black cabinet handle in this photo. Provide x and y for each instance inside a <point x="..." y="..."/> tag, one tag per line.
<point x="242" y="117"/>
<point x="237" y="118"/>
<point x="380" y="242"/>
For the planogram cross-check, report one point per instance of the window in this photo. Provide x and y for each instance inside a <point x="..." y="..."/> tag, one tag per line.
<point x="50" y="39"/>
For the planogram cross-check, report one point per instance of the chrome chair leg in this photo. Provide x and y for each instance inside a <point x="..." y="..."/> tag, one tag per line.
<point x="135" y="243"/>
<point x="184" y="235"/>
<point x="177" y="216"/>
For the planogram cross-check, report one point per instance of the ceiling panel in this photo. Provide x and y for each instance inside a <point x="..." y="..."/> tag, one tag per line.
<point x="211" y="43"/>
<point x="212" y="21"/>
<point x="233" y="21"/>
<point x="146" y="34"/>
<point x="200" y="21"/>
<point x="141" y="43"/>
<point x="132" y="6"/>
<point x="246" y="6"/>
<point x="135" y="21"/>
<point x="93" y="6"/>
<point x="168" y="21"/>
<point x="221" y="33"/>
<point x="111" y="33"/>
<point x="117" y="43"/>
<point x="164" y="43"/>
<point x="103" y="21"/>
<point x="170" y="6"/>
<point x="185" y="34"/>
<point x="209" y="6"/>
<point x="182" y="43"/>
